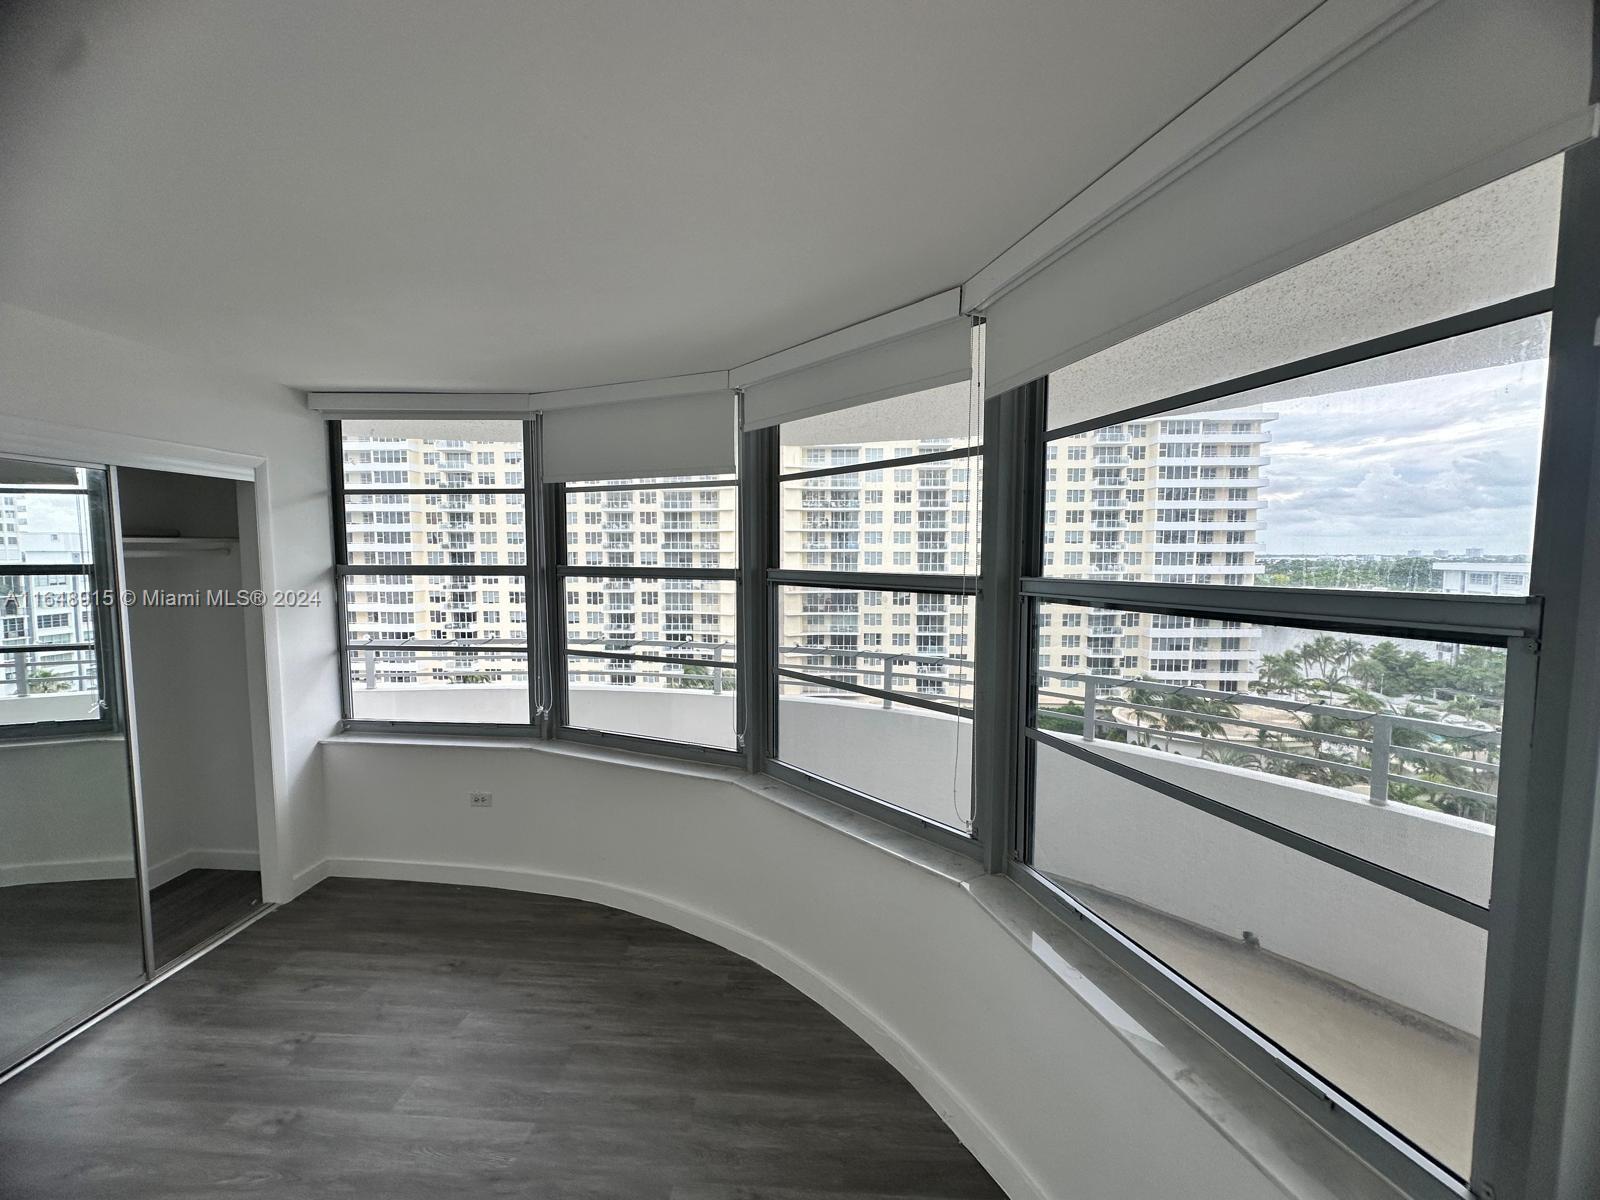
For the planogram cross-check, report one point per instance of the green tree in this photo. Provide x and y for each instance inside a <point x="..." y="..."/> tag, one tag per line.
<point x="1281" y="673"/>
<point x="693" y="678"/>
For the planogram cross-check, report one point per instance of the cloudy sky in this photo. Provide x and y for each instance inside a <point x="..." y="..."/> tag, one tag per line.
<point x="1441" y="463"/>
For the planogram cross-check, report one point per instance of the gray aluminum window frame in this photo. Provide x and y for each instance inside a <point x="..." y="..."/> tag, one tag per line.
<point x="542" y="577"/>
<point x="767" y="575"/>
<point x="529" y="574"/>
<point x="556" y="599"/>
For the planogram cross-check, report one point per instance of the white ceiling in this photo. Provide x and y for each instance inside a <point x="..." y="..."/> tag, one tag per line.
<point x="531" y="195"/>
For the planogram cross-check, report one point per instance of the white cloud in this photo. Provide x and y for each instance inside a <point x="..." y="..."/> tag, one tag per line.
<point x="1446" y="462"/>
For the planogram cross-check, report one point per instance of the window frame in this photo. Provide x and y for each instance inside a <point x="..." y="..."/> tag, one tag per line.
<point x="556" y="599"/>
<point x="764" y="447"/>
<point x="529" y="574"/>
<point x="1511" y="622"/>
<point x="542" y="577"/>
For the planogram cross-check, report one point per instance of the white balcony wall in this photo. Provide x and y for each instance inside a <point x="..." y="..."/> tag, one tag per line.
<point x="916" y="760"/>
<point x="47" y="706"/>
<point x="703" y="718"/>
<point x="1108" y="833"/>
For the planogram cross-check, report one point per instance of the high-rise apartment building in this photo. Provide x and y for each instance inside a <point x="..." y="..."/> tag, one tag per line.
<point x="1170" y="500"/>
<point x="1166" y="500"/>
<point x="453" y="525"/>
<point x="676" y="523"/>
<point x="475" y="517"/>
<point x="902" y="518"/>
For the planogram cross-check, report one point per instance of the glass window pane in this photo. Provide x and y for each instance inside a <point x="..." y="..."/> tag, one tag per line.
<point x="1492" y="244"/>
<point x="695" y="706"/>
<point x="679" y="522"/>
<point x="923" y="518"/>
<point x="911" y="643"/>
<point x="44" y="514"/>
<point x="48" y="685"/>
<point x="404" y="607"/>
<point x="465" y="686"/>
<point x="906" y="756"/>
<point x="436" y="529"/>
<point x="1383" y="747"/>
<point x="655" y="481"/>
<point x="432" y="454"/>
<point x="1411" y="472"/>
<point x="615" y="625"/>
<point x="1373" y="991"/>
<point x="919" y="518"/>
<point x="916" y="642"/>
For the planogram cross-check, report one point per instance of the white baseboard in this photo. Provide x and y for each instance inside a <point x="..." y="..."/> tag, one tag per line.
<point x="15" y="874"/>
<point x="303" y="881"/>
<point x="975" y="1133"/>
<point x="169" y="869"/>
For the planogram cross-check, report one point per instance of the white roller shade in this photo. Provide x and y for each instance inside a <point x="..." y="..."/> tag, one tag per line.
<point x="694" y="434"/>
<point x="342" y="406"/>
<point x="1466" y="92"/>
<point x="925" y="345"/>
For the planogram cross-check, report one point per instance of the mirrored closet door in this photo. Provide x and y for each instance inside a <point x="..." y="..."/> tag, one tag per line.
<point x="71" y="936"/>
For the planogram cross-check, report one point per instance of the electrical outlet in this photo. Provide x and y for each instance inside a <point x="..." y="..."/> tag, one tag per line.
<point x="481" y="799"/>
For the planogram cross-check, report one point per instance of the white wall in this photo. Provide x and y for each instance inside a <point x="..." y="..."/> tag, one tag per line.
<point x="94" y="384"/>
<point x="65" y="811"/>
<point x="194" y="718"/>
<point x="1050" y="1099"/>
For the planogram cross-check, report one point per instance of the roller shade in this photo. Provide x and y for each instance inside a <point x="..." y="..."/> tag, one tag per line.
<point x="926" y="345"/>
<point x="344" y="406"/>
<point x="1466" y="92"/>
<point x="693" y="434"/>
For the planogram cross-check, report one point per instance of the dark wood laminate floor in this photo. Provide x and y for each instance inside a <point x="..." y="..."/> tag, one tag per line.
<point x="200" y="904"/>
<point x="66" y="950"/>
<point x="395" y="1040"/>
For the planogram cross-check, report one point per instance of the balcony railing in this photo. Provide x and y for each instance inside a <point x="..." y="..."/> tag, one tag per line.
<point x="1344" y="747"/>
<point x="61" y="671"/>
<point x="880" y="669"/>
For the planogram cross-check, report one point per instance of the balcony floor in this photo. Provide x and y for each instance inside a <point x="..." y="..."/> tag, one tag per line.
<point x="394" y="1040"/>
<point x="1418" y="1074"/>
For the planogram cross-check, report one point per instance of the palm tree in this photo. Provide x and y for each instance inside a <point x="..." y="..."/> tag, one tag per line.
<point x="1198" y="714"/>
<point x="1330" y="656"/>
<point x="1351" y="652"/>
<point x="1281" y="673"/>
<point x="1140" y="700"/>
<point x="1233" y="756"/>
